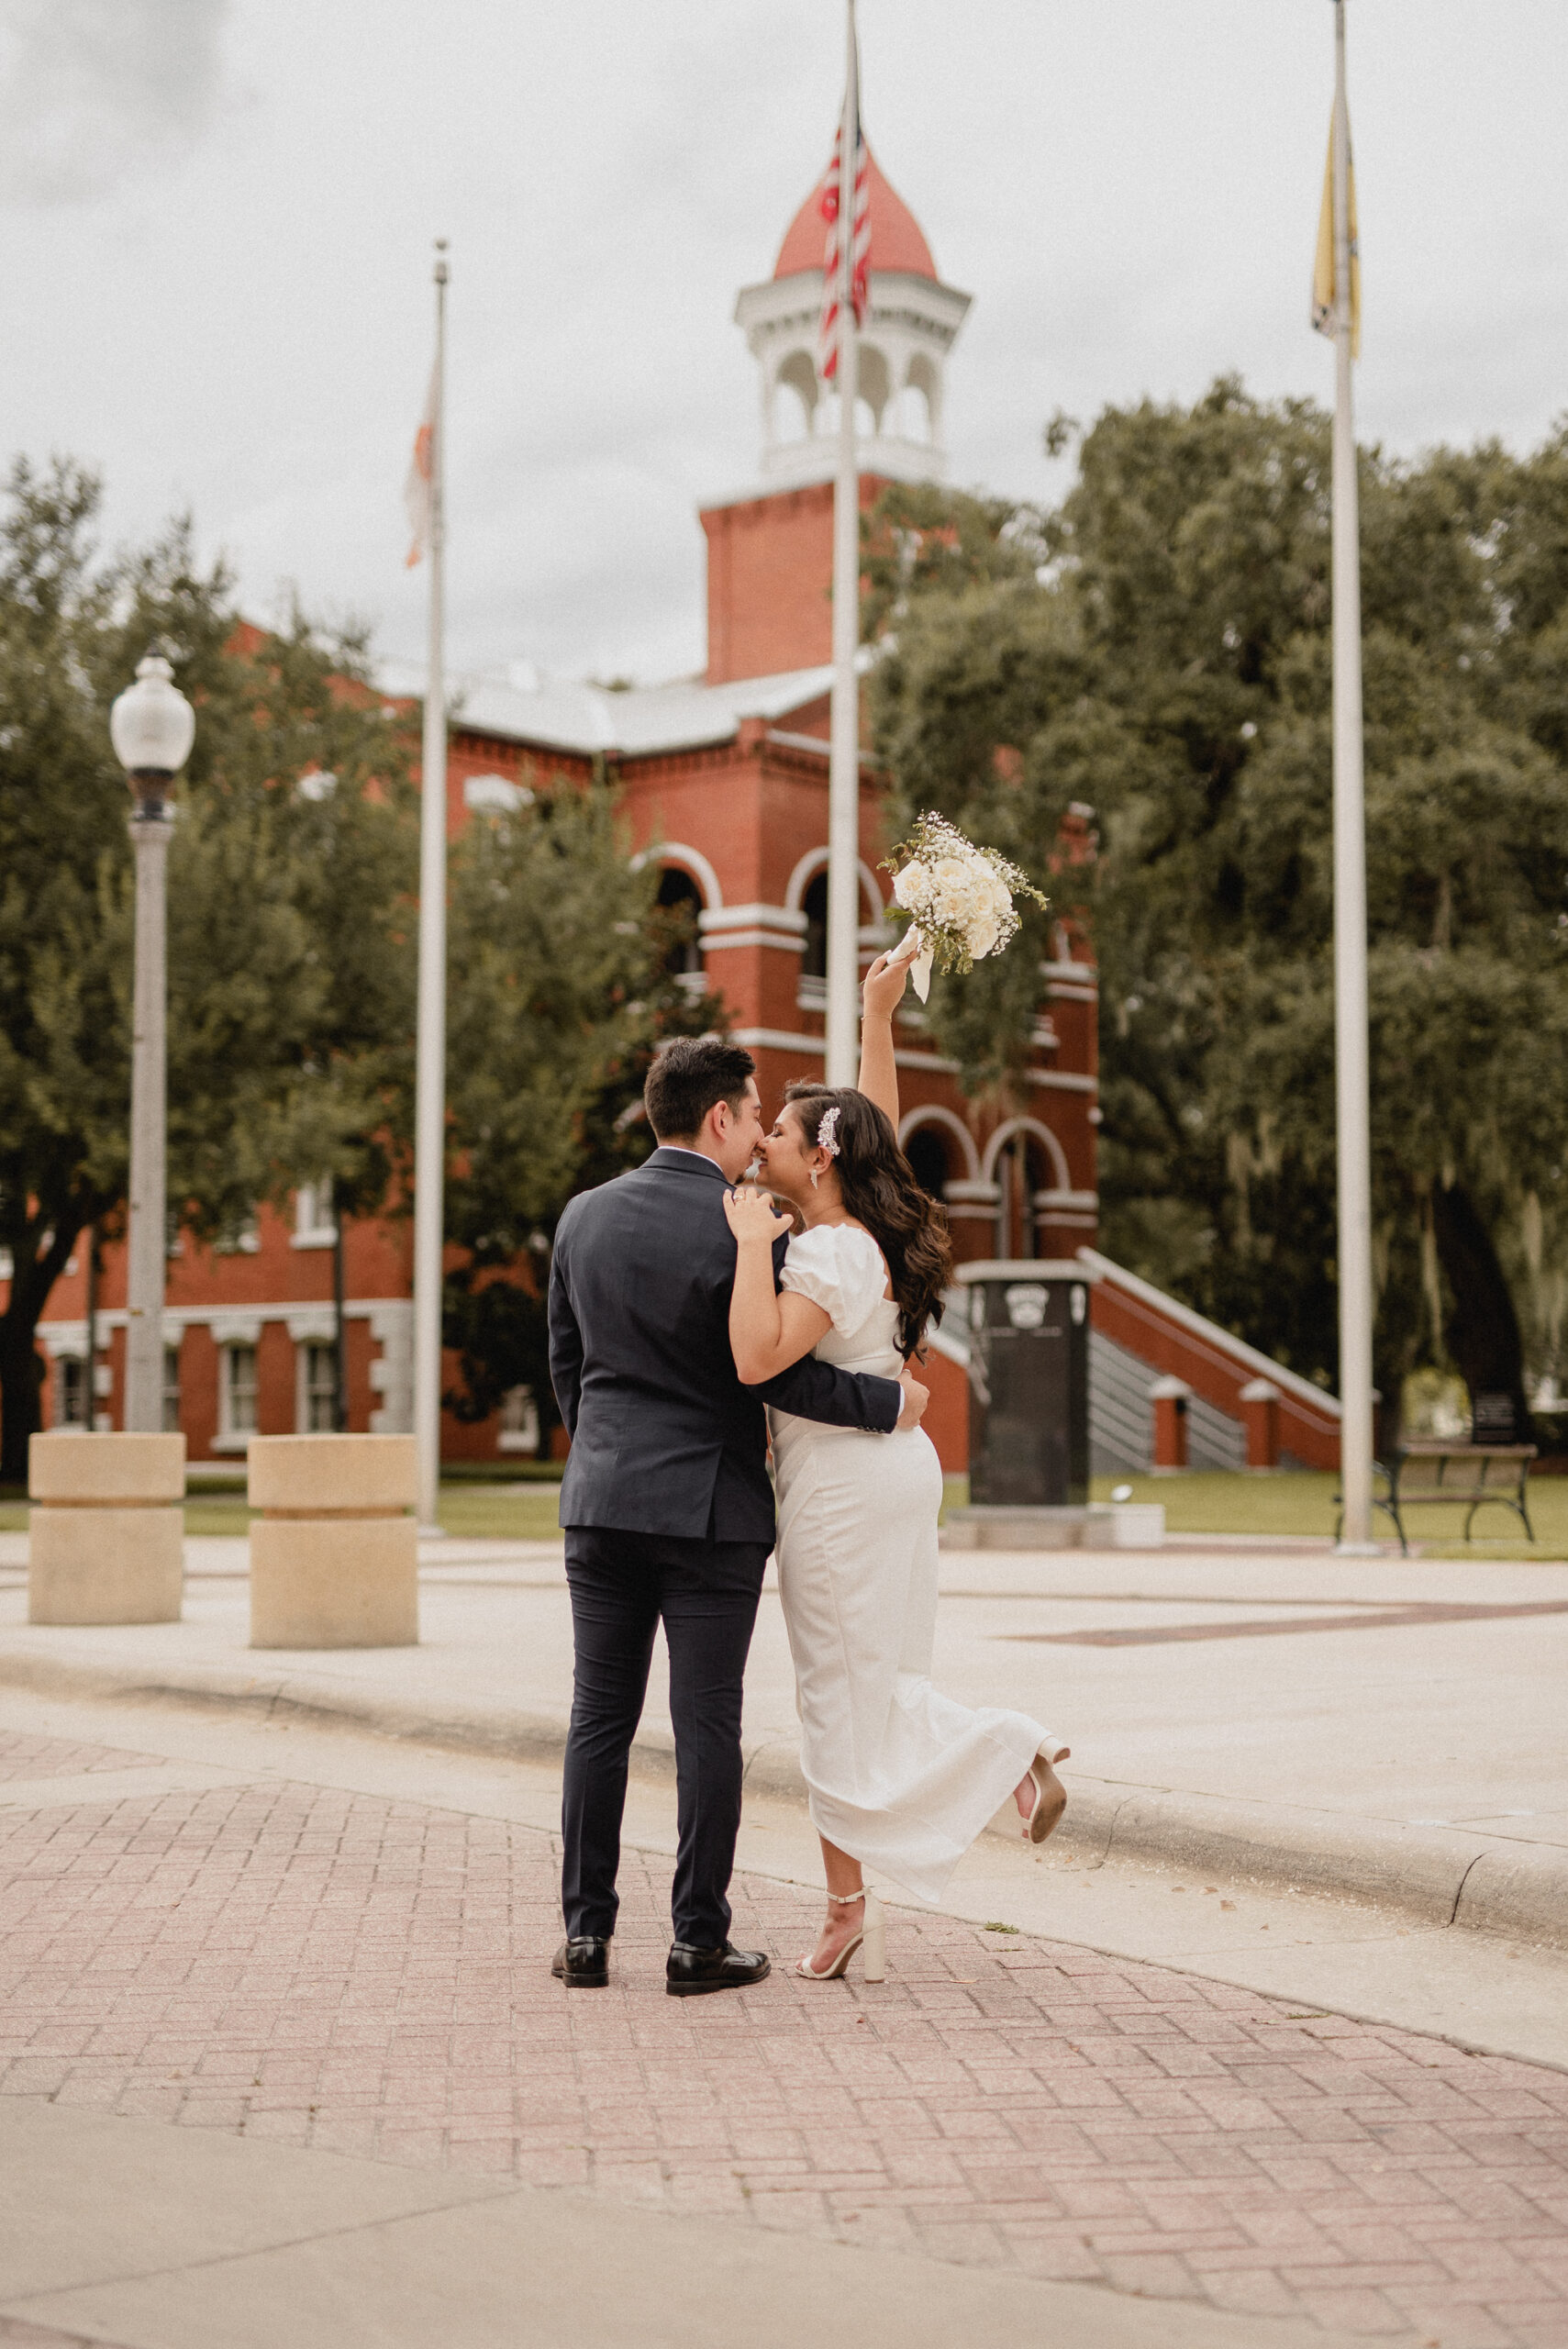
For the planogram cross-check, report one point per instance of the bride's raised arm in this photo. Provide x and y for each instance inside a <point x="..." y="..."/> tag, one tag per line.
<point x="885" y="984"/>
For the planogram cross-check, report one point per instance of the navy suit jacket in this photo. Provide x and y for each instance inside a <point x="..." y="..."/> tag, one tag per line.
<point x="665" y="1437"/>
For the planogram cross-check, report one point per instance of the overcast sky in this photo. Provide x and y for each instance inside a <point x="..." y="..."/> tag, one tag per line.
<point x="215" y="237"/>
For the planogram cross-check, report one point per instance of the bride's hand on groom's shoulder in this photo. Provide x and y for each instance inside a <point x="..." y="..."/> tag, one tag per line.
<point x="751" y="1216"/>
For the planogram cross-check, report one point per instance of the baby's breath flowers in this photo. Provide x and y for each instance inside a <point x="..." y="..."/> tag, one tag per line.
<point x="959" y="899"/>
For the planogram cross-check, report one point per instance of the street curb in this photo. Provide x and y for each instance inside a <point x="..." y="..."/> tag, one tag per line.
<point x="1445" y="1875"/>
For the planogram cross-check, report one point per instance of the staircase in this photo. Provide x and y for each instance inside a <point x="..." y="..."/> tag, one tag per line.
<point x="1167" y="1390"/>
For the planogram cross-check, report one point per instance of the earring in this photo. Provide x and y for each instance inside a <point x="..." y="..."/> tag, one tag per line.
<point x="816" y="1176"/>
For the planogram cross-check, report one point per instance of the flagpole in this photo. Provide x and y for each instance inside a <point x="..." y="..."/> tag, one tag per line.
<point x="430" y="1079"/>
<point x="1351" y="1070"/>
<point x="844" y="753"/>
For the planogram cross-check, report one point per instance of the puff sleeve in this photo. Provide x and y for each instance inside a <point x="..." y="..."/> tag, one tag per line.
<point x="838" y="1268"/>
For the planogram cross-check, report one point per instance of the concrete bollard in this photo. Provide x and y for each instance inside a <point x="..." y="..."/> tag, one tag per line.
<point x="1170" y="1398"/>
<point x="1259" y="1405"/>
<point x="106" y="1541"/>
<point x="334" y="1555"/>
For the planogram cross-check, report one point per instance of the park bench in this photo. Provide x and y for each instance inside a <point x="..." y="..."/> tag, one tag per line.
<point x="1437" y="1471"/>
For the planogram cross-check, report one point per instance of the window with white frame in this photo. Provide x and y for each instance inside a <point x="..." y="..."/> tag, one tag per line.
<point x="680" y="903"/>
<point x="70" y="1392"/>
<point x="237" y="1391"/>
<point x="171" y="1390"/>
<point x="313" y="1223"/>
<point x="519" y="1421"/>
<point x="318" y="1413"/>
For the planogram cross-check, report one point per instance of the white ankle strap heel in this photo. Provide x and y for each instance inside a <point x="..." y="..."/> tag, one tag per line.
<point x="873" y="1963"/>
<point x="871" y="1937"/>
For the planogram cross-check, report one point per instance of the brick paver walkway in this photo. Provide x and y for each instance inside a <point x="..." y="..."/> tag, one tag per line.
<point x="62" y="1757"/>
<point x="368" y="1975"/>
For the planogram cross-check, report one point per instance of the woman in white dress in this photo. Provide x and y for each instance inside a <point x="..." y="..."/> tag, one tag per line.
<point x="901" y="1778"/>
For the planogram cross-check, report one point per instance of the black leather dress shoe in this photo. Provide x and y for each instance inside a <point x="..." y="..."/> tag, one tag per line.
<point x="693" y="1972"/>
<point x="583" y="1965"/>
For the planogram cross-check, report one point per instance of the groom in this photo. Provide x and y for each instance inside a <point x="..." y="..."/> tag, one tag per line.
<point x="666" y="1502"/>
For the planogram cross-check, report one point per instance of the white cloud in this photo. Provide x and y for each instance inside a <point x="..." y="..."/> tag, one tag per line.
<point x="94" y="92"/>
<point x="1128" y="190"/>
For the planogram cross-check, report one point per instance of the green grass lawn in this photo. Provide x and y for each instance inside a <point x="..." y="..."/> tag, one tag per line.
<point x="476" y="1510"/>
<point x="501" y="1512"/>
<point x="1302" y="1502"/>
<point x="1201" y="1502"/>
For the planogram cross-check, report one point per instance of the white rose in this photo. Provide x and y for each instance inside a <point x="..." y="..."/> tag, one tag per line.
<point x="953" y="883"/>
<point x="911" y="886"/>
<point x="982" y="936"/>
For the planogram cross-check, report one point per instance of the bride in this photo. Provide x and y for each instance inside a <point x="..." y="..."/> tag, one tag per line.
<point x="901" y="1778"/>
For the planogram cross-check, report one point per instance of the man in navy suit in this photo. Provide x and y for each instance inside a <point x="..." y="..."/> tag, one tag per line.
<point x="667" y="1503"/>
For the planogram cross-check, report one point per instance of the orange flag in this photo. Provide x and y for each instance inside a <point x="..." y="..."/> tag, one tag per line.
<point x="417" y="488"/>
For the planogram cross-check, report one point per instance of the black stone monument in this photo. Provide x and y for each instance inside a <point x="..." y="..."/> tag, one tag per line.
<point x="1029" y="1384"/>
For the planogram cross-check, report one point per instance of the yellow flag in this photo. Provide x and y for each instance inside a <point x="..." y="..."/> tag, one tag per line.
<point x="1324" y="292"/>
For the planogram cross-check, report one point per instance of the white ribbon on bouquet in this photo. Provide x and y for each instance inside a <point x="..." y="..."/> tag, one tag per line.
<point x="912" y="948"/>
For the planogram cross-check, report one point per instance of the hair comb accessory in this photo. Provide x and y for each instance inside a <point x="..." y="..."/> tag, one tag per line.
<point x="825" y="1140"/>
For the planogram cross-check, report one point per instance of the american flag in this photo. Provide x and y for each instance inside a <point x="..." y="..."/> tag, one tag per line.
<point x="860" y="250"/>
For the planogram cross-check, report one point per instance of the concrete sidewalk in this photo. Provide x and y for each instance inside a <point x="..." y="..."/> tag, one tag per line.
<point x="133" y="2233"/>
<point x="1384" y="1729"/>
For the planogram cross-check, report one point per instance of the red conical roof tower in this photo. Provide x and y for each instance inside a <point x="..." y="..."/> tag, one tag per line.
<point x="898" y="244"/>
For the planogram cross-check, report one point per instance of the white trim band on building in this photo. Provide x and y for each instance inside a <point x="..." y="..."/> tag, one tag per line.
<point x="782" y="1040"/>
<point x="714" y="926"/>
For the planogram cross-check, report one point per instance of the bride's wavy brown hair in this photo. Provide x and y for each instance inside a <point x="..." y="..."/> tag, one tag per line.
<point x="880" y="1190"/>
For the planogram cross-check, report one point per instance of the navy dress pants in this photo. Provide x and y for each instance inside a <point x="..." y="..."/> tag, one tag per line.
<point x="704" y="1593"/>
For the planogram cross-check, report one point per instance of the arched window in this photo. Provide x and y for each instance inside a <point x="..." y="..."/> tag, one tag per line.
<point x="813" y="906"/>
<point x="875" y="383"/>
<point x="927" y="1151"/>
<point x="680" y="902"/>
<point x="922" y="395"/>
<point x="1021" y="1170"/>
<point x="795" y="398"/>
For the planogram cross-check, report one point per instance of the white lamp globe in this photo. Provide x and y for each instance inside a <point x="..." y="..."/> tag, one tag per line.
<point x="151" y="724"/>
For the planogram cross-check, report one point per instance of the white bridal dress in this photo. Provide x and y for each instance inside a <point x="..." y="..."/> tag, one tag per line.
<point x="899" y="1776"/>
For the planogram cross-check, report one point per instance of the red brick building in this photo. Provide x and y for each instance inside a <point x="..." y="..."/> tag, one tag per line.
<point x="725" y="780"/>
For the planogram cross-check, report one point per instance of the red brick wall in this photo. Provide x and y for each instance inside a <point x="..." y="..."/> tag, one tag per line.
<point x="946" y="1413"/>
<point x="770" y="568"/>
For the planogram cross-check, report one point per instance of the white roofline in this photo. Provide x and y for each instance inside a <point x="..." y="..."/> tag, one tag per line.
<point x="588" y="720"/>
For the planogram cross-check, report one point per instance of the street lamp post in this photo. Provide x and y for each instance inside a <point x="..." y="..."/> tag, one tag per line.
<point x="152" y="727"/>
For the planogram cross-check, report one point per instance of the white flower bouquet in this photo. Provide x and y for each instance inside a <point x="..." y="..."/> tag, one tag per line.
<point x="958" y="899"/>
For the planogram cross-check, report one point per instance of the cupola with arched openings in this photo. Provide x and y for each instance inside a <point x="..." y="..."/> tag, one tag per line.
<point x="911" y="322"/>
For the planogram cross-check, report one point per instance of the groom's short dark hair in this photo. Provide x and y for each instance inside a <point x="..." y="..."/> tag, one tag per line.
<point x="689" y="1075"/>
